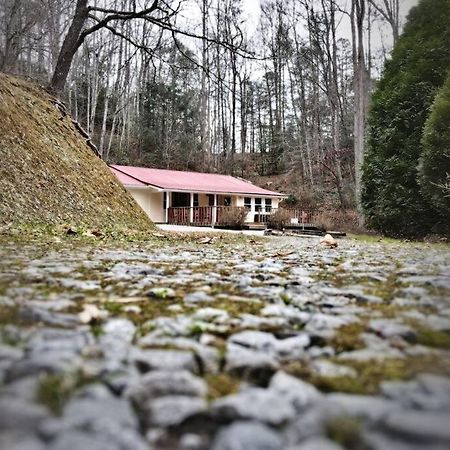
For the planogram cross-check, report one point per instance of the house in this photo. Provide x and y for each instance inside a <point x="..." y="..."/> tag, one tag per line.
<point x="184" y="198"/>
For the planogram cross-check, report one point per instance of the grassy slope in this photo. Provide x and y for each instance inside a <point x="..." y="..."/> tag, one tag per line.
<point x="48" y="174"/>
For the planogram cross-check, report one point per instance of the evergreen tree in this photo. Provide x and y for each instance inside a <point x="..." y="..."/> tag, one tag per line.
<point x="391" y="195"/>
<point x="434" y="169"/>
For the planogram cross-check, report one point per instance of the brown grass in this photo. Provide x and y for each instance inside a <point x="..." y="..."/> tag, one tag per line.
<point x="48" y="175"/>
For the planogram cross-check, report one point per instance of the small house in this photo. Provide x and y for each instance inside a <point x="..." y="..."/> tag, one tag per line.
<point x="194" y="198"/>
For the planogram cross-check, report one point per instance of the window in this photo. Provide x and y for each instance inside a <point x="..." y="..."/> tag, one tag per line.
<point x="180" y="199"/>
<point x="210" y="199"/>
<point x="195" y="201"/>
<point x="248" y="202"/>
<point x="164" y="200"/>
<point x="268" y="205"/>
<point x="258" y="202"/>
<point x="227" y="201"/>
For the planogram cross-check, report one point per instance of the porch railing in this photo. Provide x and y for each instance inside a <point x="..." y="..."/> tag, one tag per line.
<point x="213" y="215"/>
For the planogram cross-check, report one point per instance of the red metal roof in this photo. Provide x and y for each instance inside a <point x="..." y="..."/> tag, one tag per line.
<point x="175" y="180"/>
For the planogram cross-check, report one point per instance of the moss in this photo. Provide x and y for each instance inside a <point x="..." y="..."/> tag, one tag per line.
<point x="54" y="390"/>
<point x="346" y="431"/>
<point x="370" y="374"/>
<point x="434" y="338"/>
<point x="8" y="314"/>
<point x="348" y="337"/>
<point x="220" y="385"/>
<point x="50" y="176"/>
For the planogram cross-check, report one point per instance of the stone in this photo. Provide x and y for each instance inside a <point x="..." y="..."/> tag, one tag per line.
<point x="299" y="393"/>
<point x="36" y="314"/>
<point x="426" y="427"/>
<point x="254" y="404"/>
<point x="317" y="443"/>
<point x="92" y="314"/>
<point x="367" y="407"/>
<point x="207" y="357"/>
<point x="292" y="347"/>
<point x="324" y="325"/>
<point x="172" y="410"/>
<point x="161" y="292"/>
<point x="19" y="440"/>
<point x="147" y="360"/>
<point x="198" y="297"/>
<point x="247" y="436"/>
<point x="426" y="392"/>
<point x="251" y="365"/>
<point x="160" y="383"/>
<point x="328" y="241"/>
<point x="19" y="414"/>
<point x="328" y="369"/>
<point x="389" y="328"/>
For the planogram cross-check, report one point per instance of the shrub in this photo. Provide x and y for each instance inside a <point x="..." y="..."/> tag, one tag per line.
<point x="434" y="168"/>
<point x="233" y="216"/>
<point x="279" y="219"/>
<point x="391" y="196"/>
<point x="342" y="220"/>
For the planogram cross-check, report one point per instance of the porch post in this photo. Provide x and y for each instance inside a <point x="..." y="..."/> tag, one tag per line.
<point x="167" y="194"/>
<point x="214" y="211"/>
<point x="191" y="209"/>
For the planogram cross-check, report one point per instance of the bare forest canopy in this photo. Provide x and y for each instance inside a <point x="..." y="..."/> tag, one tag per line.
<point x="48" y="174"/>
<point x="237" y="86"/>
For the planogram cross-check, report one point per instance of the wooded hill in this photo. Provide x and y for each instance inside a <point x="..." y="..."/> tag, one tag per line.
<point x="48" y="174"/>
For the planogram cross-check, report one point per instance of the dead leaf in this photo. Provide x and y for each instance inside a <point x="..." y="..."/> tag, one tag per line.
<point x="91" y="313"/>
<point x="205" y="240"/>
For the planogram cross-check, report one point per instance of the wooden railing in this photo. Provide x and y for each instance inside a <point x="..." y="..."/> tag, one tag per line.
<point x="213" y="215"/>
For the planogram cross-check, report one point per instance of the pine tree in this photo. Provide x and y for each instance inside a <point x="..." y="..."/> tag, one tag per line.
<point x="434" y="168"/>
<point x="391" y="195"/>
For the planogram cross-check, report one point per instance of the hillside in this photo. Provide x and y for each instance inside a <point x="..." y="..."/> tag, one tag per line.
<point x="48" y="174"/>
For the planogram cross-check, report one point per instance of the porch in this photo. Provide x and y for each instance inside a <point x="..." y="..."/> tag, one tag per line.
<point x="206" y="216"/>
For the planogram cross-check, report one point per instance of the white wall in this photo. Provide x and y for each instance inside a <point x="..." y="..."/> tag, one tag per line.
<point x="150" y="202"/>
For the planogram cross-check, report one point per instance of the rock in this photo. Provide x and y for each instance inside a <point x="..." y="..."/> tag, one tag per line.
<point x="20" y="441"/>
<point x="18" y="414"/>
<point x="317" y="443"/>
<point x="250" y="365"/>
<point x="160" y="383"/>
<point x="366" y="407"/>
<point x="323" y="325"/>
<point x="81" y="440"/>
<point x="172" y="410"/>
<point x="92" y="314"/>
<point x="247" y="436"/>
<point x="122" y="329"/>
<point x="147" y="360"/>
<point x="300" y="394"/>
<point x="207" y="357"/>
<point x="211" y="314"/>
<point x="328" y="241"/>
<point x="389" y="328"/>
<point x="161" y="292"/>
<point x="368" y="354"/>
<point x="198" y="297"/>
<point x="418" y="426"/>
<point x="292" y="347"/>
<point x="192" y="441"/>
<point x="36" y="314"/>
<point x="254" y="404"/>
<point x="427" y="392"/>
<point x="327" y="369"/>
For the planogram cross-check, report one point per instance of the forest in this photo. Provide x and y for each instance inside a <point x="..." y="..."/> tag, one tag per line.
<point x="279" y="89"/>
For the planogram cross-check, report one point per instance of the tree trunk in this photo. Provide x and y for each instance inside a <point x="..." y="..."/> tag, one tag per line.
<point x="69" y="48"/>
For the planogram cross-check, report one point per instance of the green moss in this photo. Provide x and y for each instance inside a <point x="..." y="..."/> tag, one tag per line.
<point x="54" y="390"/>
<point x="434" y="338"/>
<point x="346" y="431"/>
<point x="220" y="385"/>
<point x="348" y="337"/>
<point x="8" y="314"/>
<point x="370" y="374"/>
